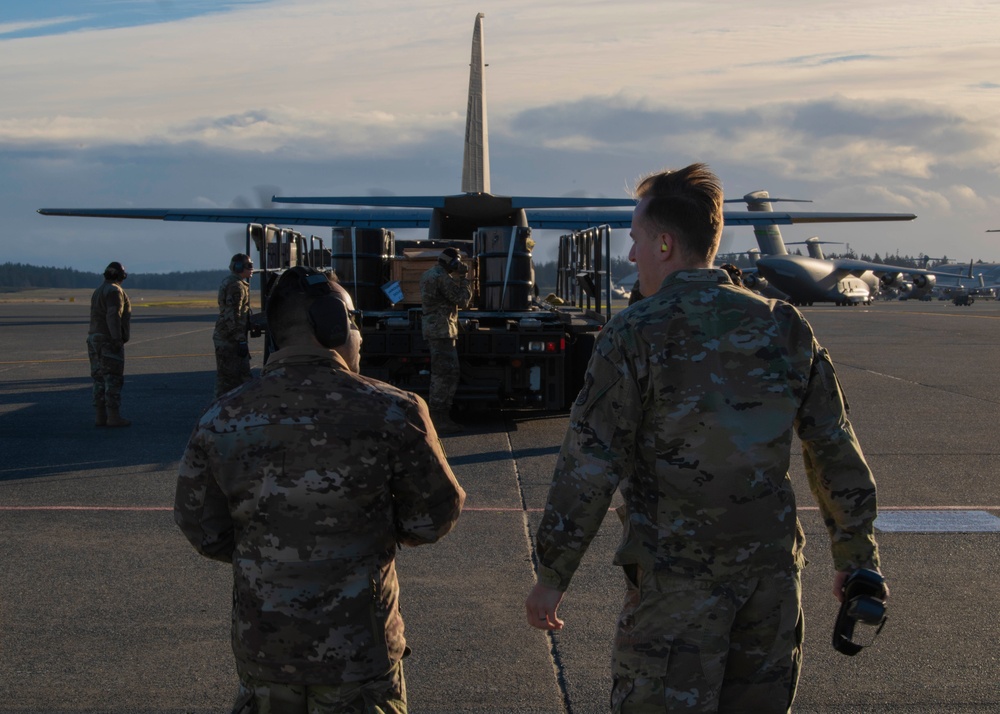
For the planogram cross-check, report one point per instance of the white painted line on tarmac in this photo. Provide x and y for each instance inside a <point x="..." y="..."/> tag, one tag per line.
<point x="930" y="521"/>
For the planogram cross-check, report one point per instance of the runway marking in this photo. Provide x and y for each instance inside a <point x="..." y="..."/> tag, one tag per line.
<point x="934" y="521"/>
<point x="893" y="519"/>
<point x="86" y="359"/>
<point x="933" y="511"/>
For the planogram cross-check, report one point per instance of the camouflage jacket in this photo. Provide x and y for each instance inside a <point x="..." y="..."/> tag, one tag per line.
<point x="441" y="295"/>
<point x="689" y="407"/>
<point x="306" y="479"/>
<point x="111" y="312"/>
<point x="234" y="310"/>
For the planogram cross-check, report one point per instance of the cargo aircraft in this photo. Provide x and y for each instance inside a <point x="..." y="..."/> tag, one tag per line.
<point x="456" y="217"/>
<point x="805" y="280"/>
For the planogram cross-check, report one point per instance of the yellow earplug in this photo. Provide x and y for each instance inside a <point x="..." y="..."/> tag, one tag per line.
<point x="663" y="247"/>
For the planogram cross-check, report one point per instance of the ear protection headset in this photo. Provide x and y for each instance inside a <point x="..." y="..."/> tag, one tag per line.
<point x="328" y="314"/>
<point x="450" y="259"/>
<point x="240" y="262"/>
<point x="115" y="271"/>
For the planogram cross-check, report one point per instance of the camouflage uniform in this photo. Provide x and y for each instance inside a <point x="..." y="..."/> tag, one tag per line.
<point x="232" y="366"/>
<point x="110" y="326"/>
<point x="441" y="295"/>
<point x="306" y="479"/>
<point x="689" y="406"/>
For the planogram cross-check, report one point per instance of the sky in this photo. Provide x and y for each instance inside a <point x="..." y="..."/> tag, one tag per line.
<point x="857" y="106"/>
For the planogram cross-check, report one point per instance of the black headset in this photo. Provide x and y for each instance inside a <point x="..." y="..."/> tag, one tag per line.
<point x="115" y="271"/>
<point x="451" y="262"/>
<point x="240" y="262"/>
<point x="328" y="315"/>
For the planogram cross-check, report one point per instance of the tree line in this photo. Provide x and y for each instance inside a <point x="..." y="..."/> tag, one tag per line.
<point x="18" y="276"/>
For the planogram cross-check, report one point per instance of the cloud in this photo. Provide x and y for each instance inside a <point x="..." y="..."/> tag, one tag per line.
<point x="856" y="107"/>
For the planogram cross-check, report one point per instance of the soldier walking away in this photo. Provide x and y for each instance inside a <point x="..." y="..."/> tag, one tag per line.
<point x="306" y="480"/>
<point x="232" y="353"/>
<point x="444" y="288"/>
<point x="689" y="405"/>
<point x="110" y="317"/>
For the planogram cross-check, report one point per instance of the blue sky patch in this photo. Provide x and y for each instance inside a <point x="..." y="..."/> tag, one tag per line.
<point x="36" y="18"/>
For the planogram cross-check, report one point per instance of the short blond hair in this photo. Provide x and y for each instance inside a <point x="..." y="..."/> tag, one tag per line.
<point x="688" y="204"/>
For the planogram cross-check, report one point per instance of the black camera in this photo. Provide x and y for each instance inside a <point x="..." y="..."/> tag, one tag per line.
<point x="864" y="602"/>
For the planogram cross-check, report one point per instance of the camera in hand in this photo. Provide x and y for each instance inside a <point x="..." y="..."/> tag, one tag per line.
<point x="864" y="602"/>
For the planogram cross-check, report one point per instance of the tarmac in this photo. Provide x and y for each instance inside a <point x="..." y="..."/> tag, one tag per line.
<point x="104" y="607"/>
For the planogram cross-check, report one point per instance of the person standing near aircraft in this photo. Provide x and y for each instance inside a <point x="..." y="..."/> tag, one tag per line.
<point x="306" y="481"/>
<point x="110" y="326"/>
<point x="689" y="406"/>
<point x="232" y="353"/>
<point x="444" y="288"/>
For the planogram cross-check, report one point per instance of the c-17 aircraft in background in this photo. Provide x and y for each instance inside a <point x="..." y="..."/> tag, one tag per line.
<point x="805" y="280"/>
<point x="457" y="217"/>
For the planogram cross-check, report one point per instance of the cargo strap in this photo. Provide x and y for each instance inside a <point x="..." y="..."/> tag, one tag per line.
<point x="510" y="259"/>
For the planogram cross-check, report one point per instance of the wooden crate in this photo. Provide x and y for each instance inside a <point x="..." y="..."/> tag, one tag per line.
<point x="410" y="267"/>
<point x="408" y="271"/>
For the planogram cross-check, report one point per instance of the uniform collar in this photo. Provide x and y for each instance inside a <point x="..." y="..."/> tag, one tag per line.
<point x="301" y="354"/>
<point x="698" y="275"/>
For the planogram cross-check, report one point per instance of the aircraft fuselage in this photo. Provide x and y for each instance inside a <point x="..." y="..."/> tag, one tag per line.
<point x="808" y="280"/>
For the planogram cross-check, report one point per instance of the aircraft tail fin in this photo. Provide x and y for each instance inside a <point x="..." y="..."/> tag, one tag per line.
<point x="768" y="236"/>
<point x="476" y="164"/>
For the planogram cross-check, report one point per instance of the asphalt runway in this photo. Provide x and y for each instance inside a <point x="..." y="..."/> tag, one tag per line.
<point x="104" y="607"/>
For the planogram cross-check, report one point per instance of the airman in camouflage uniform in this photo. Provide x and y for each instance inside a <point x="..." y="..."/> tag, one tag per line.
<point x="689" y="406"/>
<point x="441" y="296"/>
<point x="306" y="480"/>
<point x="110" y="327"/>
<point x="232" y="353"/>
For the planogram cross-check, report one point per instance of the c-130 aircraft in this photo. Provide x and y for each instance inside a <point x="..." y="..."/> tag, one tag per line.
<point x="456" y="217"/>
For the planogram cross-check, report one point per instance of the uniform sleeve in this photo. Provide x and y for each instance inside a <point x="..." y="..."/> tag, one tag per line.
<point x="838" y="474"/>
<point x="201" y="509"/>
<point x="427" y="498"/>
<point x="597" y="448"/>
<point x="457" y="291"/>
<point x="235" y="309"/>
<point x="114" y="307"/>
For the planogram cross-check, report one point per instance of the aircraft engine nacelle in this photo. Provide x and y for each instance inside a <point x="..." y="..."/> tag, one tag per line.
<point x="924" y="281"/>
<point x="754" y="281"/>
<point x="891" y="279"/>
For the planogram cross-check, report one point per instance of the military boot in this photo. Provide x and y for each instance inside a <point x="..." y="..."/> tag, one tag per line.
<point x="102" y="416"/>
<point x="115" y="419"/>
<point x="443" y="423"/>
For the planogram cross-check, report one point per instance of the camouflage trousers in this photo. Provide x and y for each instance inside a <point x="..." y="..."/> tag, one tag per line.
<point x="384" y="695"/>
<point x="231" y="370"/>
<point x="444" y="374"/>
<point x="107" y="369"/>
<point x="684" y="645"/>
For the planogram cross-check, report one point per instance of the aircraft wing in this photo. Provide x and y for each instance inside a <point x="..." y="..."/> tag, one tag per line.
<point x="344" y="217"/>
<point x="415" y="212"/>
<point x="439" y="201"/>
<point x="580" y="219"/>
<point x="861" y="266"/>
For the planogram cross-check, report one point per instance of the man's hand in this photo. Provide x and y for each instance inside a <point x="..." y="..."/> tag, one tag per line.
<point x="461" y="268"/>
<point x="541" y="607"/>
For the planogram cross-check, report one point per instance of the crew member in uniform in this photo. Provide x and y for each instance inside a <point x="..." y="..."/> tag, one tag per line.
<point x="689" y="406"/>
<point x="307" y="480"/>
<point x="444" y="288"/>
<point x="110" y="318"/>
<point x="232" y="353"/>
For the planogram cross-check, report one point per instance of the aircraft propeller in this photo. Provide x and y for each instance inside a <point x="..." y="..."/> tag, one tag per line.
<point x="236" y="239"/>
